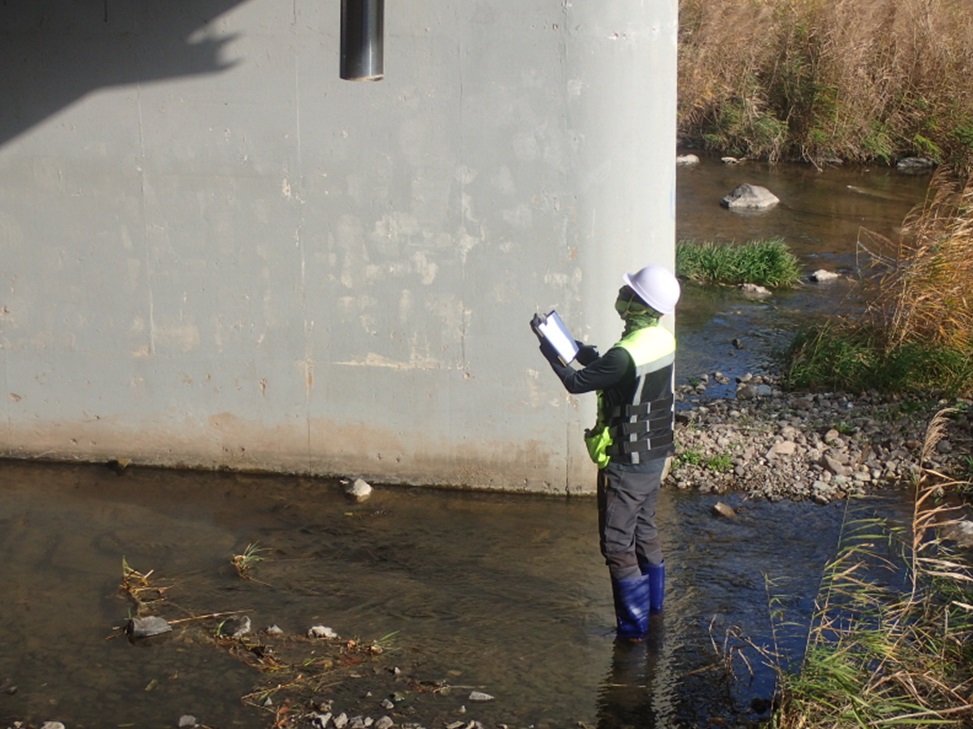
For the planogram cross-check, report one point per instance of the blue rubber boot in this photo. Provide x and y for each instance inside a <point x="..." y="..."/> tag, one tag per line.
<point x="631" y="608"/>
<point x="657" y="586"/>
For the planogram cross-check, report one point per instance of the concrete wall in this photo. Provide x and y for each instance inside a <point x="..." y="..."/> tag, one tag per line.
<point x="215" y="253"/>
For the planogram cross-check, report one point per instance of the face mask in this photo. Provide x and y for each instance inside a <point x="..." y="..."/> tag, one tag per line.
<point x="622" y="306"/>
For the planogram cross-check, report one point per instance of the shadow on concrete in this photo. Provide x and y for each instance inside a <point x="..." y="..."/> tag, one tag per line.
<point x="54" y="52"/>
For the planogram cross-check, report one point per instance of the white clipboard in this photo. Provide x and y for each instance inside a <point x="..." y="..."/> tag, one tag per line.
<point x="553" y="329"/>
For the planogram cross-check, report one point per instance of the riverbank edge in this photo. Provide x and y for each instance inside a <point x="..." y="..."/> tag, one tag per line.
<point x="769" y="443"/>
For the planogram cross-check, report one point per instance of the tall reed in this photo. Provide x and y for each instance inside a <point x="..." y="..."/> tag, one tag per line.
<point x="916" y="334"/>
<point x="882" y="652"/>
<point x="822" y="80"/>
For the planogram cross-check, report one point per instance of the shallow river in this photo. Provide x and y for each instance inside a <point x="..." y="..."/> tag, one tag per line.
<point x="495" y="593"/>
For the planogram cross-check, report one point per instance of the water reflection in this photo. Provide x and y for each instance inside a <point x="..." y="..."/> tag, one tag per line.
<point x="821" y="217"/>
<point x="500" y="593"/>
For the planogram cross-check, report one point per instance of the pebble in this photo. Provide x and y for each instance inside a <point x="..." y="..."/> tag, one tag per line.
<point x="815" y="446"/>
<point x="148" y="626"/>
<point x="358" y="490"/>
<point x="321" y="631"/>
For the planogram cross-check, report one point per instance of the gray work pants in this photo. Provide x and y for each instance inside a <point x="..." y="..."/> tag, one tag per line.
<point x="629" y="537"/>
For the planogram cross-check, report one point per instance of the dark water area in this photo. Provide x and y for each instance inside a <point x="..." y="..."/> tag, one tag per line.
<point x="822" y="216"/>
<point x="504" y="594"/>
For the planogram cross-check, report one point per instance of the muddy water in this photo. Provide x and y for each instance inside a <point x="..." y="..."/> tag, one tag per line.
<point x="498" y="593"/>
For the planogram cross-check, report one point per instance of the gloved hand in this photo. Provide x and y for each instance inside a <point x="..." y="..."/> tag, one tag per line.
<point x="550" y="354"/>
<point x="535" y="322"/>
<point x="587" y="353"/>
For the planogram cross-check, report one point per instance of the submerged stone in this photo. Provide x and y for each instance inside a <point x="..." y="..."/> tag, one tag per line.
<point x="147" y="626"/>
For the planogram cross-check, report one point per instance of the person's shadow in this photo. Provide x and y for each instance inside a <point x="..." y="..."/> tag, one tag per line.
<point x="53" y="52"/>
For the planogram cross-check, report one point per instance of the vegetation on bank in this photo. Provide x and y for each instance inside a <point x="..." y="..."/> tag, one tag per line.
<point x="890" y="642"/>
<point x="764" y="262"/>
<point x="916" y="335"/>
<point x="828" y="80"/>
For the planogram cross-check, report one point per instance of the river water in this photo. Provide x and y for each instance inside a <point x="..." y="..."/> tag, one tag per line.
<point x="503" y="594"/>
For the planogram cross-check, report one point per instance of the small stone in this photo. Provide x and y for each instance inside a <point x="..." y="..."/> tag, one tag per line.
<point x="52" y="725"/>
<point x="755" y="291"/>
<point x="341" y="721"/>
<point x="823" y="276"/>
<point x="784" y="448"/>
<point x="835" y="466"/>
<point x="480" y="696"/>
<point x="687" y="159"/>
<point x="236" y="627"/>
<point x="358" y="491"/>
<point x="384" y="723"/>
<point x="274" y="630"/>
<point x="148" y="626"/>
<point x="187" y="720"/>
<point x="721" y="509"/>
<point x="321" y="631"/>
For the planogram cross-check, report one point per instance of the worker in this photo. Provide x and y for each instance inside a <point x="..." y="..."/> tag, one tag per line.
<point x="631" y="440"/>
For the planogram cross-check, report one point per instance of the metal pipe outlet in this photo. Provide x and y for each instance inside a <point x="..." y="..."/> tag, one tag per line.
<point x="362" y="40"/>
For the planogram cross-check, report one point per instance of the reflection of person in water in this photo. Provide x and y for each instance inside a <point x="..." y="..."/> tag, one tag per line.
<point x="635" y="695"/>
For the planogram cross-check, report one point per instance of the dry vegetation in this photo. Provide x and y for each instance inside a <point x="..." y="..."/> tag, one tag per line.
<point x="925" y="292"/>
<point x="823" y="80"/>
<point x="879" y="654"/>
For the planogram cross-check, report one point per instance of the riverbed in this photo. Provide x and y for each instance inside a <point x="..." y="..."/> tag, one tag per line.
<point x="502" y="595"/>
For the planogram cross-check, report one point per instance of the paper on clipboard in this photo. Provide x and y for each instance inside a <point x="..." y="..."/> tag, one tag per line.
<point x="553" y="329"/>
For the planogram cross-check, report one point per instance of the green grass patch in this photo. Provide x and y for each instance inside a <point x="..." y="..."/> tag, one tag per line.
<point x="765" y="262"/>
<point x="857" y="359"/>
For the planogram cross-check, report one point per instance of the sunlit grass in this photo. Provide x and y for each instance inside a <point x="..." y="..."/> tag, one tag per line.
<point x="823" y="80"/>
<point x="916" y="334"/>
<point x="765" y="262"/>
<point x="890" y="643"/>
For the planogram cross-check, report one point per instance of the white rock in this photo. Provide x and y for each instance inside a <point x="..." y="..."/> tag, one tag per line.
<point x="359" y="490"/>
<point x="687" y="159"/>
<point x="480" y="696"/>
<point x="823" y="276"/>
<point x="321" y="631"/>
<point x="749" y="197"/>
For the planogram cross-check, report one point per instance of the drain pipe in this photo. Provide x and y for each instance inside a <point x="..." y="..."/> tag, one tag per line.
<point x="362" y="40"/>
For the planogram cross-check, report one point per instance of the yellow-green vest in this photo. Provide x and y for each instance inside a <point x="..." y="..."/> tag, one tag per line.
<point x="639" y="430"/>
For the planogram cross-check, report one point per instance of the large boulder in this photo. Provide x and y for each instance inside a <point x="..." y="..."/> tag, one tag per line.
<point x="749" y="197"/>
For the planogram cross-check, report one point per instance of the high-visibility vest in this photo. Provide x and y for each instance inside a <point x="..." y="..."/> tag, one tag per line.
<point x="639" y="430"/>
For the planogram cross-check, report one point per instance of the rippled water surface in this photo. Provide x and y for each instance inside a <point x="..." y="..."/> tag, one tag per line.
<point x="499" y="593"/>
<point x="503" y="594"/>
<point x="823" y="217"/>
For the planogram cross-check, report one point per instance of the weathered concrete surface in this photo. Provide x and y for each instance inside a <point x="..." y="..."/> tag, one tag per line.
<point x="215" y="253"/>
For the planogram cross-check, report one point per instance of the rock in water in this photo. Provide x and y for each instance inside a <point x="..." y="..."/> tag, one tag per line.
<point x="358" y="491"/>
<point x="148" y="626"/>
<point x="750" y="197"/>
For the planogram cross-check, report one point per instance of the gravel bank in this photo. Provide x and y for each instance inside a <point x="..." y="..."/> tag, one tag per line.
<point x="822" y="446"/>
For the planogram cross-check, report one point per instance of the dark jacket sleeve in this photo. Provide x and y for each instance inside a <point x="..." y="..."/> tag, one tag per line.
<point x="604" y="373"/>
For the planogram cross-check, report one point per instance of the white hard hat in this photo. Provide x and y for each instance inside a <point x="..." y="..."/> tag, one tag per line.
<point x="656" y="286"/>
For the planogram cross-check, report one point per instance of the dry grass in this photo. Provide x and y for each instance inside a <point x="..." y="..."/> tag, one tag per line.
<point x="882" y="655"/>
<point x="925" y="293"/>
<point x="828" y="79"/>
